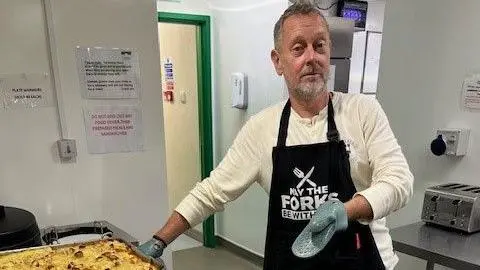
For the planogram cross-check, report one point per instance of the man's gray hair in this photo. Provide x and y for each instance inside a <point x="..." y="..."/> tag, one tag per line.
<point x="298" y="7"/>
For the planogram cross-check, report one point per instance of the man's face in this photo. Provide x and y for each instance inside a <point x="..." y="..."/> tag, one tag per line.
<point x="303" y="56"/>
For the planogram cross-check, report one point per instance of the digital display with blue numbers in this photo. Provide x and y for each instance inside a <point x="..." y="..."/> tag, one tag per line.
<point x="355" y="11"/>
<point x="354" y="14"/>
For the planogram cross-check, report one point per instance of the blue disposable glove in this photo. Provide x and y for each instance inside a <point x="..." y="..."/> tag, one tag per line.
<point x="152" y="248"/>
<point x="329" y="218"/>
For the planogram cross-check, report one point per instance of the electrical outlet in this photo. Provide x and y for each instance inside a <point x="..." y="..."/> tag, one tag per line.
<point x="67" y="149"/>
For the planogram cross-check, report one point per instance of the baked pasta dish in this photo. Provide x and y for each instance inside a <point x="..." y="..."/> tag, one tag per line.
<point x="101" y="255"/>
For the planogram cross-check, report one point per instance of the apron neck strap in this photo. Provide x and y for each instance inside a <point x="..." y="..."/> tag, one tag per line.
<point x="332" y="133"/>
<point x="282" y="132"/>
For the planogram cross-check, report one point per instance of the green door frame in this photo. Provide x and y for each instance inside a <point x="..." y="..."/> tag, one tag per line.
<point x="204" y="100"/>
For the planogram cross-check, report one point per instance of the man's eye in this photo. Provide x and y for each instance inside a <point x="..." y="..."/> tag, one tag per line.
<point x="297" y="49"/>
<point x="320" y="45"/>
<point x="320" y="48"/>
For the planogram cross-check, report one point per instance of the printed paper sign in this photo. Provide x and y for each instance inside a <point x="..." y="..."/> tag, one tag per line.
<point x="471" y="92"/>
<point x="168" y="69"/>
<point x="108" y="73"/>
<point x="113" y="129"/>
<point x="26" y="91"/>
<point x="168" y="80"/>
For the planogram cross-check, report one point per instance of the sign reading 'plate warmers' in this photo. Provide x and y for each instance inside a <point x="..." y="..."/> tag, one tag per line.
<point x="26" y="90"/>
<point x="108" y="73"/>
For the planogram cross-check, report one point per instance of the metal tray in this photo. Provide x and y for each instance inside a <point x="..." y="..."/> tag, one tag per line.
<point x="157" y="263"/>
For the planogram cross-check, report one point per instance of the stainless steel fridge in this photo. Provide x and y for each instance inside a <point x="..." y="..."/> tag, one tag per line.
<point x="341" y="33"/>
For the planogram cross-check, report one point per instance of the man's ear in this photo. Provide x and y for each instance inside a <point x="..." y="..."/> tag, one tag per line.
<point x="275" y="56"/>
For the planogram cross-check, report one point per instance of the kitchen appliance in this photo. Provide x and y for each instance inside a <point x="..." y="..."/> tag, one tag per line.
<point x="453" y="205"/>
<point x="18" y="229"/>
<point x="341" y="35"/>
<point x="90" y="231"/>
<point x="354" y="10"/>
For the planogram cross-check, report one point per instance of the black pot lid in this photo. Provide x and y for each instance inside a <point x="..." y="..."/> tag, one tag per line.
<point x="16" y="225"/>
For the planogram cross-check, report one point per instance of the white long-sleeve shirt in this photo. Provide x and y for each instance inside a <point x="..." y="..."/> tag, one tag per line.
<point x="379" y="170"/>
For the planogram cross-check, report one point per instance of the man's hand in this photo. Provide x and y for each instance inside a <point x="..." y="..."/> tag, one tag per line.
<point x="153" y="248"/>
<point x="329" y="218"/>
<point x="359" y="208"/>
<point x="330" y="213"/>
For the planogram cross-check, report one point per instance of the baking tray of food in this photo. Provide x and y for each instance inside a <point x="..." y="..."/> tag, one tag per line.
<point x="113" y="253"/>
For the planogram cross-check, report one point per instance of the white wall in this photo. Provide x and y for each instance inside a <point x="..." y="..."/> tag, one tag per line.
<point x="135" y="27"/>
<point x="29" y="176"/>
<point x="244" y="38"/>
<point x="128" y="189"/>
<point x="424" y="61"/>
<point x="199" y="7"/>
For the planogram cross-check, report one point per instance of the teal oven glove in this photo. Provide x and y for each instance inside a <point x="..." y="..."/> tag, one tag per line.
<point x="329" y="218"/>
<point x="153" y="248"/>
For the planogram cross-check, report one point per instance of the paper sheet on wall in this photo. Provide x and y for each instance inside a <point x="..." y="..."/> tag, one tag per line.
<point x="471" y="92"/>
<point x="112" y="129"/>
<point x="26" y="90"/>
<point x="168" y="79"/>
<point x="108" y="73"/>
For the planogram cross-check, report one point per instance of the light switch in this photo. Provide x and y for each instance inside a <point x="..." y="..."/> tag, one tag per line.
<point x="67" y="149"/>
<point x="183" y="97"/>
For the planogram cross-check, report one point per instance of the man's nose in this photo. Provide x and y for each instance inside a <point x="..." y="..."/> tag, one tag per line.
<point x="310" y="54"/>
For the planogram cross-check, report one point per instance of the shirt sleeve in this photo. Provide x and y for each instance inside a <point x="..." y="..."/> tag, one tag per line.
<point x="236" y="172"/>
<point x="392" y="181"/>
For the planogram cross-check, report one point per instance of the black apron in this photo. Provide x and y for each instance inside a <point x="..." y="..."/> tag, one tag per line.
<point x="304" y="177"/>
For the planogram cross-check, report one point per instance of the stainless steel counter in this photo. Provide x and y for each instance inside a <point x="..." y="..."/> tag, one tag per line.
<point x="438" y="245"/>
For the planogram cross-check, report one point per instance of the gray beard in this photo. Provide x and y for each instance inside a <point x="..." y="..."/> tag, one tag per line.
<point x="309" y="91"/>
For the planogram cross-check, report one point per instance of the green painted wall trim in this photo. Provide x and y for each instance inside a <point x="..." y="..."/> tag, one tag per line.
<point x="204" y="76"/>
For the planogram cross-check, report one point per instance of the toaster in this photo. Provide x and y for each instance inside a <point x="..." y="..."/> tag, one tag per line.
<point x="453" y="205"/>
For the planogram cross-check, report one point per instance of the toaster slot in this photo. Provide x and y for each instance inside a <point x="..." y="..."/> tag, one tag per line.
<point x="471" y="189"/>
<point x="449" y="185"/>
<point x="459" y="187"/>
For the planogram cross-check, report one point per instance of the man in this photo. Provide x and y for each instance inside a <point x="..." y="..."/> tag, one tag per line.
<point x="329" y="161"/>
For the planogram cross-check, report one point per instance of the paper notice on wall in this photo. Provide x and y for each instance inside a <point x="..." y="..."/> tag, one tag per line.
<point x="168" y="70"/>
<point x="26" y="90"/>
<point x="471" y="92"/>
<point x="168" y="80"/>
<point x="108" y="73"/>
<point x="112" y="129"/>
